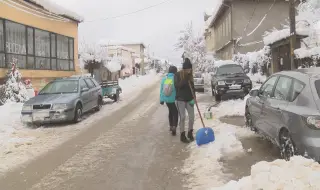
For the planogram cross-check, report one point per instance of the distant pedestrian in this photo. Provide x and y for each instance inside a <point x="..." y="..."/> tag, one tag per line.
<point x="185" y="99"/>
<point x="168" y="96"/>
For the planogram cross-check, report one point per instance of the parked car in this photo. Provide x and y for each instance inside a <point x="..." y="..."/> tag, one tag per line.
<point x="229" y="79"/>
<point x="286" y="109"/>
<point x="64" y="99"/>
<point x="198" y="82"/>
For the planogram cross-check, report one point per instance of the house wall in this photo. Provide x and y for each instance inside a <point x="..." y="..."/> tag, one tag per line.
<point x="139" y="49"/>
<point x="241" y="14"/>
<point x="70" y="29"/>
<point x="222" y="29"/>
<point x="210" y="40"/>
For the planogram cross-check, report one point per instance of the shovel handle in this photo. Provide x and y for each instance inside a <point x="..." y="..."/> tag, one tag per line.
<point x="195" y="100"/>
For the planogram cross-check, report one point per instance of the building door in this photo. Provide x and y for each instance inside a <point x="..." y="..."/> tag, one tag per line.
<point x="285" y="63"/>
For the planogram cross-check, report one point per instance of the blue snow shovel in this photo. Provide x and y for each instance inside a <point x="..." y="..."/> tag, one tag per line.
<point x="204" y="135"/>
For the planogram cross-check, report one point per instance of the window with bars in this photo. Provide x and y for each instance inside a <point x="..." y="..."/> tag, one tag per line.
<point x="34" y="48"/>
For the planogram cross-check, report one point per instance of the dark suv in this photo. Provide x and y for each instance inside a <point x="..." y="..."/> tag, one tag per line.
<point x="229" y="79"/>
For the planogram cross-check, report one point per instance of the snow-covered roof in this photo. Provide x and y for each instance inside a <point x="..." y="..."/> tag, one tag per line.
<point x="114" y="47"/>
<point x="50" y="6"/>
<point x="305" y="52"/>
<point x="215" y="11"/>
<point x="223" y="62"/>
<point x="278" y="35"/>
<point x="109" y="42"/>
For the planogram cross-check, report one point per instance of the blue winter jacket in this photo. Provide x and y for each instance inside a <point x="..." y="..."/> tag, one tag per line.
<point x="164" y="98"/>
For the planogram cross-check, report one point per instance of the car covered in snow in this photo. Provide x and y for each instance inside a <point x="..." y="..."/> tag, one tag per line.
<point x="230" y="79"/>
<point x="198" y="82"/>
<point x="64" y="99"/>
<point x="286" y="110"/>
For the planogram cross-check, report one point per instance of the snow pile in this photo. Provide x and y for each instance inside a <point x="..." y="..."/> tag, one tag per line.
<point x="203" y="167"/>
<point x="257" y="78"/>
<point x="252" y="62"/>
<point x="297" y="174"/>
<point x="54" y="8"/>
<point x="229" y="108"/>
<point x="218" y="5"/>
<point x="133" y="82"/>
<point x="113" y="65"/>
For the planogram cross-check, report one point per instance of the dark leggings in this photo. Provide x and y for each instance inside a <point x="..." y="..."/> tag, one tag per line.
<point x="173" y="114"/>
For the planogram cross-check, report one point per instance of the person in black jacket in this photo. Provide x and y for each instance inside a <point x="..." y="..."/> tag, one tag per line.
<point x="184" y="99"/>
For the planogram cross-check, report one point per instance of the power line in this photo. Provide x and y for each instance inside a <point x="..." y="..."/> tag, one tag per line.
<point x="130" y="13"/>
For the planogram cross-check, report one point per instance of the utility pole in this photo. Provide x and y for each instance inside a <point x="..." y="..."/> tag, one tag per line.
<point x="293" y="37"/>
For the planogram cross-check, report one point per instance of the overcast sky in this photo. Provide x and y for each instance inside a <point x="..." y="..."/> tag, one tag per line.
<point x="158" y="26"/>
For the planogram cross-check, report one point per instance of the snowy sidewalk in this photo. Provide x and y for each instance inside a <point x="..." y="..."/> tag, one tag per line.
<point x="20" y="144"/>
<point x="204" y="169"/>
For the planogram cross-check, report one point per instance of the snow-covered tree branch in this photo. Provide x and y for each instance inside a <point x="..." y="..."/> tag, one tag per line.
<point x="193" y="47"/>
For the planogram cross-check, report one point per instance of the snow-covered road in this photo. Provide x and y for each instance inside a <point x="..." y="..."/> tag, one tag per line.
<point x="20" y="144"/>
<point x="130" y="149"/>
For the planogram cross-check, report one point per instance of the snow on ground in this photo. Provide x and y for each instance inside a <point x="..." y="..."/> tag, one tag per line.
<point x="202" y="168"/>
<point x="297" y="174"/>
<point x="257" y="78"/>
<point x="19" y="144"/>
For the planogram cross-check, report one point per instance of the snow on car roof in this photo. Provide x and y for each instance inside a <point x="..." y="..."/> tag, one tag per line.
<point x="50" y="6"/>
<point x="224" y="62"/>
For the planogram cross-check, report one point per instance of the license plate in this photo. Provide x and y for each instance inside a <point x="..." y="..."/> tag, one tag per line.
<point x="38" y="116"/>
<point x="235" y="87"/>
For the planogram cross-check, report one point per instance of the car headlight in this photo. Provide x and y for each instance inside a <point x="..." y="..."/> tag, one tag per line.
<point x="59" y="106"/>
<point x="221" y="83"/>
<point x="247" y="81"/>
<point x="27" y="108"/>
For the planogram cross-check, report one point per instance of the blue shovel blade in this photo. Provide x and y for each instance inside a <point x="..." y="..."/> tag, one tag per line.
<point x="204" y="136"/>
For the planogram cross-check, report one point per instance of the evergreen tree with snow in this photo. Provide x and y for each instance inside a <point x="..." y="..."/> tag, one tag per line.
<point x="15" y="88"/>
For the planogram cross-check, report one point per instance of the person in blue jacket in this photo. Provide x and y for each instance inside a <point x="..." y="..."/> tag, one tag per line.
<point x="168" y="96"/>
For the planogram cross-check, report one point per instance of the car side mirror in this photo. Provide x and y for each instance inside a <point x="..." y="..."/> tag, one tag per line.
<point x="254" y="92"/>
<point x="84" y="89"/>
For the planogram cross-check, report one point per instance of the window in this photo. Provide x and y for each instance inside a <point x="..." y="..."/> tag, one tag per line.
<point x="34" y="48"/>
<point x="282" y="89"/>
<point x="297" y="88"/>
<point x="267" y="87"/>
<point x="16" y="43"/>
<point x="83" y="84"/>
<point x="60" y="87"/>
<point x="90" y="83"/>
<point x="229" y="69"/>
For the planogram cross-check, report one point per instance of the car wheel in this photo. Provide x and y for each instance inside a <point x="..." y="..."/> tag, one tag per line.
<point x="287" y="149"/>
<point x="116" y="96"/>
<point x="248" y="120"/>
<point x="77" y="114"/>
<point x="217" y="97"/>
<point x="100" y="103"/>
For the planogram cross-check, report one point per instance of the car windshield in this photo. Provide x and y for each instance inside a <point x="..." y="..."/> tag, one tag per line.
<point x="197" y="75"/>
<point x="60" y="87"/>
<point x="229" y="70"/>
<point x="317" y="85"/>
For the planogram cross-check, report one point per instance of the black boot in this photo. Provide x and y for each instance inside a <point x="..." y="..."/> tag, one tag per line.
<point x="174" y="131"/>
<point x="183" y="138"/>
<point x="190" y="135"/>
<point x="171" y="128"/>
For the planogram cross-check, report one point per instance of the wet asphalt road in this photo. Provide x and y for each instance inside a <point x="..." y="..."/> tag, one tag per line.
<point x="131" y="149"/>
